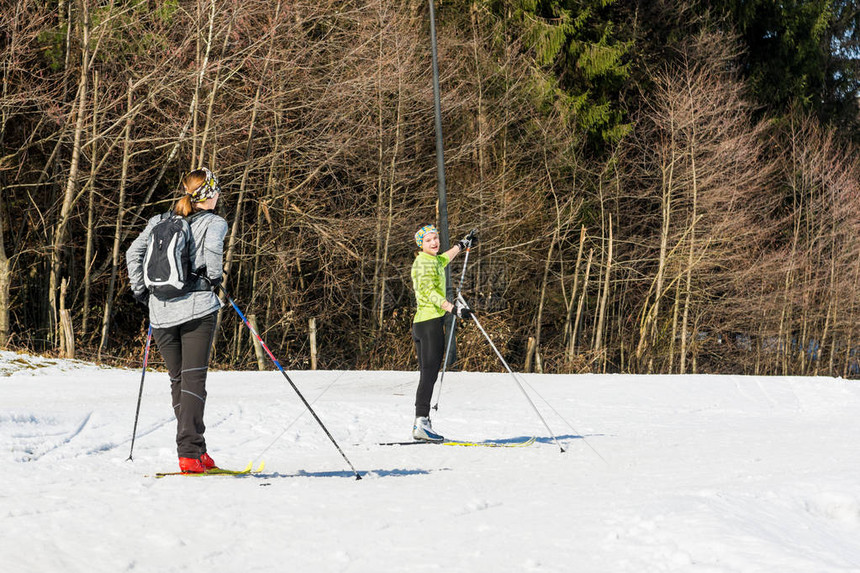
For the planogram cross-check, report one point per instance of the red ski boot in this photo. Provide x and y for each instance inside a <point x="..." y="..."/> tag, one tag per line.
<point x="208" y="462"/>
<point x="191" y="466"/>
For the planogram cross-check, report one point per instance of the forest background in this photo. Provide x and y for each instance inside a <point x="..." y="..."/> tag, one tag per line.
<point x="659" y="186"/>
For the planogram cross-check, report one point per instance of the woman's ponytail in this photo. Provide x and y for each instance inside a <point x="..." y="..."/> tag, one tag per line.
<point x="183" y="207"/>
<point x="190" y="182"/>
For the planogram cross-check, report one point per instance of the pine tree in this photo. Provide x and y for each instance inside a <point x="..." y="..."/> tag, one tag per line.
<point x="579" y="42"/>
<point x="801" y="53"/>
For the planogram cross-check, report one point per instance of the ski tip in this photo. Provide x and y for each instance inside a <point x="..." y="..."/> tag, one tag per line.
<point x="259" y="467"/>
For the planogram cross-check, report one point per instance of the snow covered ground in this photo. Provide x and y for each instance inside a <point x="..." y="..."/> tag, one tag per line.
<point x="661" y="473"/>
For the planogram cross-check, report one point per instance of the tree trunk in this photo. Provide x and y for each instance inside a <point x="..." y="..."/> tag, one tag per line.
<point x="804" y="331"/>
<point x="88" y="255"/>
<point x="231" y="244"/>
<point x="546" y="269"/>
<point x="568" y="327"/>
<point x="648" y="328"/>
<point x="209" y="115"/>
<point x="851" y="319"/>
<point x="257" y="256"/>
<point x="784" y="336"/>
<point x="539" y="317"/>
<point x="202" y="61"/>
<point x="5" y="264"/>
<point x="685" y="315"/>
<point x="237" y="217"/>
<point x="390" y="215"/>
<point x="376" y="304"/>
<point x="688" y="290"/>
<point x="675" y="308"/>
<point x="832" y="305"/>
<point x="5" y="273"/>
<point x="239" y="331"/>
<point x="117" y="237"/>
<point x="392" y="179"/>
<point x="71" y="182"/>
<point x="571" y="349"/>
<point x="483" y="128"/>
<point x="601" y="313"/>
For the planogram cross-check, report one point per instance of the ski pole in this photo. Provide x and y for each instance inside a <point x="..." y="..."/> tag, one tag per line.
<point x="140" y="392"/>
<point x="278" y="365"/>
<point x="508" y="368"/>
<point x="453" y="330"/>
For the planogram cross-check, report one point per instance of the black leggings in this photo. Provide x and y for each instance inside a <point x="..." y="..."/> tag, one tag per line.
<point x="429" y="345"/>
<point x="185" y="350"/>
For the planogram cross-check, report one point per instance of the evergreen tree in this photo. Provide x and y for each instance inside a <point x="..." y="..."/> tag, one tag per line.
<point x="799" y="53"/>
<point x="579" y="43"/>
<point x="842" y="80"/>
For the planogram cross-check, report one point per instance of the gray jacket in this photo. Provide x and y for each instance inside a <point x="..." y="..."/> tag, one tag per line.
<point x="208" y="231"/>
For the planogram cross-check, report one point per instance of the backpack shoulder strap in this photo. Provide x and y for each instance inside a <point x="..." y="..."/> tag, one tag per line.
<point x="199" y="214"/>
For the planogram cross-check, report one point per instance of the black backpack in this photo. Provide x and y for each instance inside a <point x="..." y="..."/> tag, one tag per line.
<point x="167" y="264"/>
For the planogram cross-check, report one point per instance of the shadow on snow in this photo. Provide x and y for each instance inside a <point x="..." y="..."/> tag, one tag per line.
<point x="564" y="439"/>
<point x="348" y="474"/>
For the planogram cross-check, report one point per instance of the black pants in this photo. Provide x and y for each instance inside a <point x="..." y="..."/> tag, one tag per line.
<point x="185" y="350"/>
<point x="429" y="345"/>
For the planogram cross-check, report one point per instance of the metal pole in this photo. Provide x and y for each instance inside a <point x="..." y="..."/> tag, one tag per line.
<point x="508" y="368"/>
<point x="295" y="388"/>
<point x="444" y="238"/>
<point x="140" y="392"/>
<point x="451" y="335"/>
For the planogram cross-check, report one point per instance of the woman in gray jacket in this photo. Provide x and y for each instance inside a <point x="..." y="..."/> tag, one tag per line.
<point x="184" y="326"/>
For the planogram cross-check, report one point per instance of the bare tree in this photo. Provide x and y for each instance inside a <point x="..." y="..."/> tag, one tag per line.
<point x="705" y="157"/>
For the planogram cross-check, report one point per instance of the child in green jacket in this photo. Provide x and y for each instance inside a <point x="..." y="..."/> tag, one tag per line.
<point x="428" y="281"/>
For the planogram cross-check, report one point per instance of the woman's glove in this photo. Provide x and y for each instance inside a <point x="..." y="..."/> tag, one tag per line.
<point x="462" y="310"/>
<point x="142" y="297"/>
<point x="469" y="240"/>
<point x="214" y="284"/>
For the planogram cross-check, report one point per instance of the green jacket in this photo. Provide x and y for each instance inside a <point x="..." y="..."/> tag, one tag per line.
<point x="428" y="280"/>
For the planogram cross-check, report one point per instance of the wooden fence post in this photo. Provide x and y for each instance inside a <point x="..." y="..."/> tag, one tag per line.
<point x="67" y="331"/>
<point x="258" y="348"/>
<point x="312" y="327"/>
<point x="530" y="352"/>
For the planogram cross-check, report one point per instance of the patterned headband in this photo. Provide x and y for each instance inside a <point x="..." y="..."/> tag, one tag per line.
<point x="419" y="236"/>
<point x="208" y="189"/>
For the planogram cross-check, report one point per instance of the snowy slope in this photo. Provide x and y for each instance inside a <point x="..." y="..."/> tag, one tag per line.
<point x="662" y="473"/>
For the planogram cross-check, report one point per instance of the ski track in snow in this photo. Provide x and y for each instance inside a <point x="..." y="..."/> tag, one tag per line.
<point x="715" y="474"/>
<point x="40" y="447"/>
